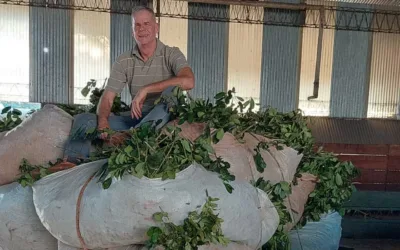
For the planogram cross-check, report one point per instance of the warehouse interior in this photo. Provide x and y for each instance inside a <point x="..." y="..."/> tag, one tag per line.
<point x="337" y="61"/>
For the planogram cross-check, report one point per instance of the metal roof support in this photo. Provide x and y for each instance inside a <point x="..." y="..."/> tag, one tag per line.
<point x="319" y="55"/>
<point x="353" y="19"/>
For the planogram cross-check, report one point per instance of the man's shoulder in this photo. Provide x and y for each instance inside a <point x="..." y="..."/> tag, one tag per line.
<point x="127" y="55"/>
<point x="169" y="51"/>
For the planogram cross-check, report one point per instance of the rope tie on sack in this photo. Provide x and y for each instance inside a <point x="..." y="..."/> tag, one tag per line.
<point x="78" y="207"/>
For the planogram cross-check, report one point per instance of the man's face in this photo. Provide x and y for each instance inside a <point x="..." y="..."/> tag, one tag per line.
<point x="144" y="27"/>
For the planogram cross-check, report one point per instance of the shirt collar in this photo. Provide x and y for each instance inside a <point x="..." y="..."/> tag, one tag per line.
<point x="158" y="52"/>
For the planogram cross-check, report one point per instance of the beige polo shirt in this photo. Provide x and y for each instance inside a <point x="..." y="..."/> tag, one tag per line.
<point x="129" y="68"/>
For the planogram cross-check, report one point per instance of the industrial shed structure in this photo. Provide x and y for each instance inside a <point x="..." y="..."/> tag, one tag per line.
<point x="334" y="60"/>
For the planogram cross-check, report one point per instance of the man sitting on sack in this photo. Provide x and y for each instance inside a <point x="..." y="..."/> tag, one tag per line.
<point x="150" y="69"/>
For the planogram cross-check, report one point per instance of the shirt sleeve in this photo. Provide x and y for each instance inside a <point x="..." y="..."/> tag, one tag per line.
<point x="177" y="60"/>
<point x="118" y="78"/>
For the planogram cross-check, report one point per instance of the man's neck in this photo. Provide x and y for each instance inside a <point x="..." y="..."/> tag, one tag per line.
<point x="147" y="50"/>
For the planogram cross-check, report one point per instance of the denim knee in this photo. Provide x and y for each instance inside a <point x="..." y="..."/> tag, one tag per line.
<point x="82" y="123"/>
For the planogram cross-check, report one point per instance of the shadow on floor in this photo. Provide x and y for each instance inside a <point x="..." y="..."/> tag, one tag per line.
<point x="369" y="244"/>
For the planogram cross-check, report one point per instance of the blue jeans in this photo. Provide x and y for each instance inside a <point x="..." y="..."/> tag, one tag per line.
<point x="78" y="147"/>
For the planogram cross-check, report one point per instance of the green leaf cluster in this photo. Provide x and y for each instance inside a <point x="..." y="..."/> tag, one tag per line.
<point x="26" y="178"/>
<point x="334" y="179"/>
<point x="11" y="119"/>
<point x="277" y="194"/>
<point x="95" y="95"/>
<point x="289" y="129"/>
<point x="264" y="145"/>
<point x="197" y="229"/>
<point x="160" y="154"/>
<point x="222" y="115"/>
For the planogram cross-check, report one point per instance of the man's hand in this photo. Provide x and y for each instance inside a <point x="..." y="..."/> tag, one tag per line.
<point x="104" y="110"/>
<point x="137" y="103"/>
<point x="103" y="124"/>
<point x="118" y="138"/>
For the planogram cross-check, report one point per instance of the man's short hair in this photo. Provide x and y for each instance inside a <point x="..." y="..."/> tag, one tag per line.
<point x="140" y="8"/>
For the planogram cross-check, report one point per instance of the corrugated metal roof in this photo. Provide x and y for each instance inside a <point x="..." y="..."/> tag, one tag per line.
<point x="355" y="131"/>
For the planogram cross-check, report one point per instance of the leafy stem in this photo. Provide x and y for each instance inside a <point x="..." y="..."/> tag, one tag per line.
<point x="197" y="229"/>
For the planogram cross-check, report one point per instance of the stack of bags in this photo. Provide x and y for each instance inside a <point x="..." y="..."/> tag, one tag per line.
<point x="43" y="217"/>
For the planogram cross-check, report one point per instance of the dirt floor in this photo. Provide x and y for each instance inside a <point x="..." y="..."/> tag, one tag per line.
<point x="370" y="244"/>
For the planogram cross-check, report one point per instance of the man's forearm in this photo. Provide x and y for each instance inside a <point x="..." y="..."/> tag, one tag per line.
<point x="186" y="82"/>
<point x="104" y="111"/>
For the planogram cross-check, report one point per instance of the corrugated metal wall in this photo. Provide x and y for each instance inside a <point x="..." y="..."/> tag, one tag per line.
<point x="91" y="50"/>
<point x="174" y="31"/>
<point x="244" y="56"/>
<point x="208" y="52"/>
<point x="14" y="64"/>
<point x="384" y="89"/>
<point x="252" y="58"/>
<point x="320" y="105"/>
<point x="121" y="40"/>
<point x="50" y="55"/>
<point x="351" y="71"/>
<point x="280" y="70"/>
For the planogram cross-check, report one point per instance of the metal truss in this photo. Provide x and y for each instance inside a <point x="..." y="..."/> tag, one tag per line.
<point x="371" y="19"/>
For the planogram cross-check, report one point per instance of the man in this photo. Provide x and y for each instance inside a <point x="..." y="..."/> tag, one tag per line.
<point x="150" y="69"/>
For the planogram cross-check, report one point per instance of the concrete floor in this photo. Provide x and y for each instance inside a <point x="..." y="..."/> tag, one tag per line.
<point x="370" y="244"/>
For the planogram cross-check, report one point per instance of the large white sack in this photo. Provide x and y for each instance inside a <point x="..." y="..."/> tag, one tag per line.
<point x="2" y="134"/>
<point x="40" y="138"/>
<point x="281" y="164"/>
<point x="122" y="214"/>
<point x="230" y="246"/>
<point x="20" y="227"/>
<point x="62" y="246"/>
<point x="318" y="235"/>
<point x="297" y="200"/>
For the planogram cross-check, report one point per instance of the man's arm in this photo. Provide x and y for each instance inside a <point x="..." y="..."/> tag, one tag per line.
<point x="184" y="79"/>
<point x="115" y="84"/>
<point x="104" y="109"/>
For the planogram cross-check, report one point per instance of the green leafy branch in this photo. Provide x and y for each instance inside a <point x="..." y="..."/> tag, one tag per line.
<point x="277" y="194"/>
<point x="222" y="116"/>
<point x="29" y="173"/>
<point x="96" y="93"/>
<point x="197" y="229"/>
<point x="264" y="145"/>
<point x="94" y="99"/>
<point x="288" y="128"/>
<point x="159" y="154"/>
<point x="291" y="129"/>
<point x="11" y="119"/>
<point x="335" y="179"/>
